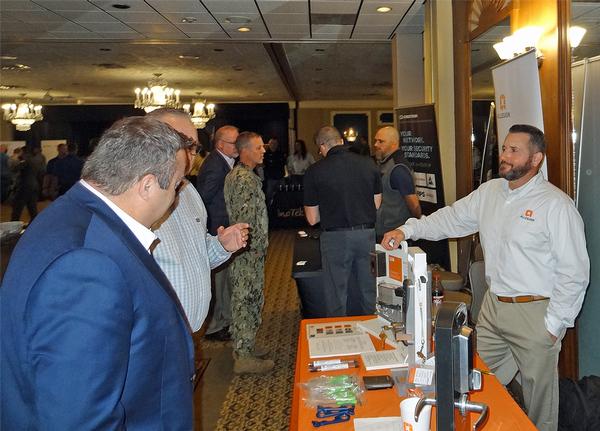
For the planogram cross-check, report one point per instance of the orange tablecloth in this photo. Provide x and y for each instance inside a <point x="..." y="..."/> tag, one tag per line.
<point x="504" y="413"/>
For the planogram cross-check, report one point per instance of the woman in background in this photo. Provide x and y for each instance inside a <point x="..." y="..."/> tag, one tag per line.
<point x="298" y="163"/>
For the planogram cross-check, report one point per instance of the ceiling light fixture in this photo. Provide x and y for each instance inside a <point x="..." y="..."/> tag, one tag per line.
<point x="22" y="113"/>
<point x="350" y="135"/>
<point x="189" y="19"/>
<point x="576" y="33"/>
<point x="244" y="29"/>
<point x="521" y="41"/>
<point x="384" y="9"/>
<point x="7" y="57"/>
<point x="120" y="6"/>
<point x="202" y="113"/>
<point x="157" y="95"/>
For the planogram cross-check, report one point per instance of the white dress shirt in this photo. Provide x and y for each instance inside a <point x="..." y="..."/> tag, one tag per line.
<point x="141" y="232"/>
<point x="186" y="253"/>
<point x="532" y="238"/>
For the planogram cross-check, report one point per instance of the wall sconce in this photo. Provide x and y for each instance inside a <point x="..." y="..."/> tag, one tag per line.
<point x="575" y="35"/>
<point x="350" y="135"/>
<point x="522" y="40"/>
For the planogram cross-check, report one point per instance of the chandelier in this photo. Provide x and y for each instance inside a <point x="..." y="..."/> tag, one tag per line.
<point x="201" y="114"/>
<point x="157" y="95"/>
<point x="22" y="113"/>
<point x="350" y="135"/>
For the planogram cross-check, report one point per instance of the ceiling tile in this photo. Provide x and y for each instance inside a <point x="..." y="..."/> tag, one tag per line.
<point x="139" y="17"/>
<point x="279" y="7"/>
<point x="10" y="5"/>
<point x="67" y="5"/>
<point x="34" y="16"/>
<point x="300" y="29"/>
<point x="69" y="27"/>
<point x="166" y="36"/>
<point x="371" y="19"/>
<point x="199" y="28"/>
<point x="283" y="19"/>
<point x="88" y="16"/>
<point x="153" y="28"/>
<point x="200" y="35"/>
<point x="344" y="7"/>
<point x="201" y="18"/>
<point x="332" y="29"/>
<point x="73" y="35"/>
<point x="177" y="6"/>
<point x="231" y="7"/>
<point x="134" y="5"/>
<point x="398" y="8"/>
<point x="107" y="27"/>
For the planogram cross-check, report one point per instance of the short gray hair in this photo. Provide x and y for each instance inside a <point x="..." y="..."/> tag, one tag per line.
<point x="130" y="149"/>
<point x="244" y="139"/>
<point x="328" y="136"/>
<point x="161" y="113"/>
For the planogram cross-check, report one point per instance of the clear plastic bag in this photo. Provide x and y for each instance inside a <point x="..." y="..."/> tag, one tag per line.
<point x="333" y="390"/>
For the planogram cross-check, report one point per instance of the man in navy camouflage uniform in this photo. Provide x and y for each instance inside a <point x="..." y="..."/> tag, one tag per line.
<point x="245" y="202"/>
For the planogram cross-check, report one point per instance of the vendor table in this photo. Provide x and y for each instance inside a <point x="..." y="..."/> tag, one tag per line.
<point x="504" y="413"/>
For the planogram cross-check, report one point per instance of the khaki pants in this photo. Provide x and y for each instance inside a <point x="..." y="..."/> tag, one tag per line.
<point x="512" y="338"/>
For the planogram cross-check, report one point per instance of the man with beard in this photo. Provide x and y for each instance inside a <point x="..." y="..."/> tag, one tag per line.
<point x="399" y="201"/>
<point x="536" y="265"/>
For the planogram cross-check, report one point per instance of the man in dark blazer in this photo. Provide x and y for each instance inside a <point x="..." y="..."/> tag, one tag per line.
<point x="211" y="179"/>
<point x="93" y="336"/>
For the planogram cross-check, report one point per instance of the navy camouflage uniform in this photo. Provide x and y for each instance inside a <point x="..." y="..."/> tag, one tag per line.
<point x="245" y="202"/>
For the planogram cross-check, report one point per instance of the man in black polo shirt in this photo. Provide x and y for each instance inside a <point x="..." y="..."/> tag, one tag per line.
<point x="343" y="192"/>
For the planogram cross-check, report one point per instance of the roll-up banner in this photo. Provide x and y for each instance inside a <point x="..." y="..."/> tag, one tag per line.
<point x="419" y="143"/>
<point x="518" y="96"/>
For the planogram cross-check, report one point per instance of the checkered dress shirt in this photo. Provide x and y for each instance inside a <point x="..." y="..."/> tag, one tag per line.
<point x="187" y="253"/>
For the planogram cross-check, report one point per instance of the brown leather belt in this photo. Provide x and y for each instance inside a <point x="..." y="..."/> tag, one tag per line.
<point x="520" y="299"/>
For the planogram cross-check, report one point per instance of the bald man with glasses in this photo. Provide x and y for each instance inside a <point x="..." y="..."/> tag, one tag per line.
<point x="210" y="181"/>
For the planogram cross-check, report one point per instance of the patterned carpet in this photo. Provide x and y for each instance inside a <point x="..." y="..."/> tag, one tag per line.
<point x="264" y="402"/>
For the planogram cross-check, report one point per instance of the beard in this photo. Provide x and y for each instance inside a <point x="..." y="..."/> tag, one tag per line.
<point x="516" y="172"/>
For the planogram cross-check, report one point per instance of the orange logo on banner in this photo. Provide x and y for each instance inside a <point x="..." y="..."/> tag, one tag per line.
<point x="529" y="213"/>
<point x="502" y="102"/>
<point x="408" y="427"/>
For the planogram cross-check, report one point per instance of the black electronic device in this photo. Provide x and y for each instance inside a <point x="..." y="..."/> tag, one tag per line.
<point x="377" y="382"/>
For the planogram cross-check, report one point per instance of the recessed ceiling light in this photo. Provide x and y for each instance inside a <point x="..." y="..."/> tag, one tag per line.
<point x="244" y="29"/>
<point x="218" y="49"/>
<point x="384" y="9"/>
<point x="238" y="68"/>
<point x="120" y="6"/>
<point x="319" y="49"/>
<point x="105" y="49"/>
<point x="5" y="87"/>
<point x="189" y="19"/>
<point x="189" y="57"/>
<point x="7" y="57"/>
<point x="237" y="19"/>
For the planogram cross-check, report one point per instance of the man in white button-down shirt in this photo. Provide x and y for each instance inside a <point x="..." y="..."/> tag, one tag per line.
<point x="536" y="265"/>
<point x="186" y="251"/>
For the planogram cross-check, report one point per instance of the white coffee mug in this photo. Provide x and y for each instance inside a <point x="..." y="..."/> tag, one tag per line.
<point x="407" y="410"/>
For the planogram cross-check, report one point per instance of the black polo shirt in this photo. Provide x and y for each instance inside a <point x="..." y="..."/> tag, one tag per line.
<point x="342" y="185"/>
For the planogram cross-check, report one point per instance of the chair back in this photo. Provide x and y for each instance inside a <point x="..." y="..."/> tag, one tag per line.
<point x="478" y="287"/>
